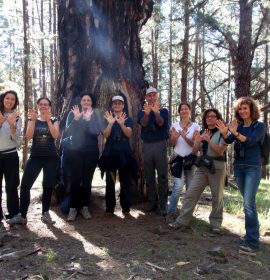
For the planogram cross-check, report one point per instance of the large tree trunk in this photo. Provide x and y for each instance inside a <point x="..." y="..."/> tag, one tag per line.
<point x="184" y="59"/>
<point x="100" y="51"/>
<point x="244" y="51"/>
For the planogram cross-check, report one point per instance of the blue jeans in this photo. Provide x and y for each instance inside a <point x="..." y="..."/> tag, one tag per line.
<point x="178" y="184"/>
<point x="248" y="179"/>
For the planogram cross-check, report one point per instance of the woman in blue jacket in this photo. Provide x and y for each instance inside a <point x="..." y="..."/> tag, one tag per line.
<point x="247" y="133"/>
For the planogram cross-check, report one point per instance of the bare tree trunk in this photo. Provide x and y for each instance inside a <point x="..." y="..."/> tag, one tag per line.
<point x="265" y="113"/>
<point x="170" y="64"/>
<point x="51" y="55"/>
<point x="228" y="93"/>
<point x="26" y="60"/>
<point x="202" y="70"/>
<point x="43" y="75"/>
<point x="184" y="59"/>
<point x="100" y="52"/>
<point x="195" y="75"/>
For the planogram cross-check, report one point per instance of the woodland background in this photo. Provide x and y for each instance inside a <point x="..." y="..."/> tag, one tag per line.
<point x="207" y="53"/>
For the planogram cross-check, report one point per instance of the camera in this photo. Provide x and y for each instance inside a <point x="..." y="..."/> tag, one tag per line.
<point x="205" y="161"/>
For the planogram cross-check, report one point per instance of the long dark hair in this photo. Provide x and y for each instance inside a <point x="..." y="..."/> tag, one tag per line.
<point x="2" y="97"/>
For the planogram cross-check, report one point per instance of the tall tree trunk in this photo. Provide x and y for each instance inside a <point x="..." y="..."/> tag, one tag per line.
<point x="184" y="59"/>
<point x="170" y="63"/>
<point x="244" y="51"/>
<point x="51" y="54"/>
<point x="43" y="70"/>
<point x="26" y="52"/>
<point x="100" y="51"/>
<point x="202" y="69"/>
<point x="195" y="75"/>
<point x="266" y="84"/>
<point x="228" y="93"/>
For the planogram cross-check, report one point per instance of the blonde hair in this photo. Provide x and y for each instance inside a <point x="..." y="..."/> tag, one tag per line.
<point x="253" y="105"/>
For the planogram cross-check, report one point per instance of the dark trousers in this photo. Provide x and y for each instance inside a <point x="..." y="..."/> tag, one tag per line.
<point x="9" y="169"/>
<point x="32" y="169"/>
<point x="82" y="167"/>
<point x="124" y="178"/>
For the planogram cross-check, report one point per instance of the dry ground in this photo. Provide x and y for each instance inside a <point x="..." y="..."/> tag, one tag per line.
<point x="126" y="248"/>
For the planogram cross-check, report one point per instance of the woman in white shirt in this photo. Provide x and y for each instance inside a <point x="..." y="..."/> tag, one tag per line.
<point x="181" y="138"/>
<point x="10" y="128"/>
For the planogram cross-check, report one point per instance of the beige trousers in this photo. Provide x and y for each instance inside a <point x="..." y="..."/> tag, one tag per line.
<point x="201" y="179"/>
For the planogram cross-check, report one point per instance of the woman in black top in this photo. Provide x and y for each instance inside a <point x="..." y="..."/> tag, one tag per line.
<point x="44" y="130"/>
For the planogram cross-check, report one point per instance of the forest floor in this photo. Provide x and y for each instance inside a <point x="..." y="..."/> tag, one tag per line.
<point x="139" y="247"/>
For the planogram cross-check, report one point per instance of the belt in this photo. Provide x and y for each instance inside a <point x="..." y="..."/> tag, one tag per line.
<point x="8" y="151"/>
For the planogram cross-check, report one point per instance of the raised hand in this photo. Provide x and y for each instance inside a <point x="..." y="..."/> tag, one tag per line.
<point x="155" y="107"/>
<point x="206" y="135"/>
<point x="47" y="115"/>
<point x="147" y="108"/>
<point x="87" y="114"/>
<point x="233" y="126"/>
<point x="11" y="119"/>
<point x="32" y="114"/>
<point x="76" y="112"/>
<point x="197" y="136"/>
<point x="174" y="133"/>
<point x="222" y="127"/>
<point x="121" y="119"/>
<point x="109" y="117"/>
<point x="2" y="118"/>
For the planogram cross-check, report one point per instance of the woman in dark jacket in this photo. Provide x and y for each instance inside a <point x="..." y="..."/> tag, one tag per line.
<point x="83" y="128"/>
<point x="43" y="129"/>
<point x="247" y="132"/>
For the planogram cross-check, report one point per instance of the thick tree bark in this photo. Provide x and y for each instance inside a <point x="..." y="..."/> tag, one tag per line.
<point x="184" y="59"/>
<point x="244" y="51"/>
<point x="26" y="52"/>
<point x="100" y="52"/>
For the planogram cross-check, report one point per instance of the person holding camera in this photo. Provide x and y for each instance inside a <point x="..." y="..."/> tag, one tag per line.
<point x="211" y="171"/>
<point x="247" y="133"/>
<point x="181" y="138"/>
<point x="117" y="155"/>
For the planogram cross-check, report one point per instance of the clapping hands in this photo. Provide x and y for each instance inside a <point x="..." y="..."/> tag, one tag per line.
<point x="147" y="108"/>
<point x="11" y="119"/>
<point x="32" y="115"/>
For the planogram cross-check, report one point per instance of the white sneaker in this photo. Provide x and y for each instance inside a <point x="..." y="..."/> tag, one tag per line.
<point x="85" y="213"/>
<point x="46" y="218"/>
<point x="72" y="214"/>
<point x="17" y="219"/>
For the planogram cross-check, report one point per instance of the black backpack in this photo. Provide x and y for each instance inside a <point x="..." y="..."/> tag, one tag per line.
<point x="265" y="147"/>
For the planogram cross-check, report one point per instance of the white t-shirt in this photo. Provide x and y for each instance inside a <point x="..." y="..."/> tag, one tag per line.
<point x="182" y="148"/>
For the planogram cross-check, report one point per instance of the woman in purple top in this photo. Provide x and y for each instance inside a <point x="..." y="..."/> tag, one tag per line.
<point x="247" y="133"/>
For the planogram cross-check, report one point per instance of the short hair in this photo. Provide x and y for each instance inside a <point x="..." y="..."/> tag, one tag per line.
<point x="253" y="105"/>
<point x="214" y="110"/>
<point x="2" y="97"/>
<point x="182" y="104"/>
<point x="44" y="98"/>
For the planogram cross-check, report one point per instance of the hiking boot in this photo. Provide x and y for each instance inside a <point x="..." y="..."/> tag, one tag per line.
<point x="17" y="219"/>
<point x="72" y="214"/>
<point x="85" y="213"/>
<point x="216" y="230"/>
<point x="170" y="218"/>
<point x="175" y="225"/>
<point x="46" y="218"/>
<point x="247" y="249"/>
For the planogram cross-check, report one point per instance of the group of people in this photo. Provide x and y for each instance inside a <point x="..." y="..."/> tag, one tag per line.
<point x="199" y="158"/>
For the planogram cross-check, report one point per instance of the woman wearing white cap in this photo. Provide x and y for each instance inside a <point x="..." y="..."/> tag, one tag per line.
<point x="117" y="155"/>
